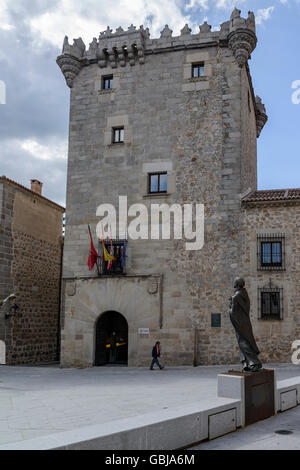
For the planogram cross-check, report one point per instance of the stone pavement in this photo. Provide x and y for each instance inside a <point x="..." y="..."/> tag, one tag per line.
<point x="39" y="401"/>
<point x="262" y="435"/>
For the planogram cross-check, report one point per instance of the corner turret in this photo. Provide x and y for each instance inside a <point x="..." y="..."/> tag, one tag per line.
<point x="70" y="60"/>
<point x="242" y="36"/>
<point x="261" y="115"/>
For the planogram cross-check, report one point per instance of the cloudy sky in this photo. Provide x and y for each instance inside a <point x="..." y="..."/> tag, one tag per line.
<point x="34" y="120"/>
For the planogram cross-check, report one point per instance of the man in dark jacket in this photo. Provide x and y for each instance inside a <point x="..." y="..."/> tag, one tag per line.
<point x="156" y="355"/>
<point x="240" y="318"/>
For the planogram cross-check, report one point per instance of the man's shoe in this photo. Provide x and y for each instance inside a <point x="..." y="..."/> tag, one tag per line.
<point x="162" y="368"/>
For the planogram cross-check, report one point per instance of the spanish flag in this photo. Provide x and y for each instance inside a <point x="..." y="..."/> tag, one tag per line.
<point x="107" y="256"/>
<point x="93" y="256"/>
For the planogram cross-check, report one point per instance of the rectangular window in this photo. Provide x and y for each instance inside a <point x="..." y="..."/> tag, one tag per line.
<point x="118" y="135"/>
<point x="271" y="252"/>
<point x="198" y="70"/>
<point x="270" y="304"/>
<point x="107" y="82"/>
<point x="158" y="183"/>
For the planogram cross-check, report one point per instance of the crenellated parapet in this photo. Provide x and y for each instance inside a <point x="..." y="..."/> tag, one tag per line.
<point x="261" y="115"/>
<point x="242" y="36"/>
<point x="130" y="47"/>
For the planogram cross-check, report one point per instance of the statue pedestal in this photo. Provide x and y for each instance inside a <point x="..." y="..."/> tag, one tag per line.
<point x="255" y="390"/>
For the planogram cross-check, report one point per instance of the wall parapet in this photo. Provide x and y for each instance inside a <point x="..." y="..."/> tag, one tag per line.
<point x="122" y="47"/>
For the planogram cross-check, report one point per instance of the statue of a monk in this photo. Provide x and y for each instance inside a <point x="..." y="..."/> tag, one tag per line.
<point x="240" y="318"/>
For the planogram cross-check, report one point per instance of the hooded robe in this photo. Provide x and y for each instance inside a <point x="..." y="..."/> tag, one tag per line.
<point x="240" y="318"/>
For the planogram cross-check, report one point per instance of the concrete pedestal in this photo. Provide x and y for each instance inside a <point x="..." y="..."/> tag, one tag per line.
<point x="255" y="390"/>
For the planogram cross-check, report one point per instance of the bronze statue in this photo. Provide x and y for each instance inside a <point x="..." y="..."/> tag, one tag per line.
<point x="240" y="318"/>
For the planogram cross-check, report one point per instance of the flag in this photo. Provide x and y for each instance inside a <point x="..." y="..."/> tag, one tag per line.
<point x="123" y="259"/>
<point x="106" y="255"/>
<point x="93" y="256"/>
<point x="111" y="252"/>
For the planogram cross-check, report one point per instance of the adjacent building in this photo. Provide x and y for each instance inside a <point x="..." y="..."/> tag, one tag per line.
<point x="30" y="265"/>
<point x="173" y="120"/>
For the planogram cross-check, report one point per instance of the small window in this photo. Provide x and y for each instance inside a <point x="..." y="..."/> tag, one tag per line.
<point x="270" y="304"/>
<point x="107" y="82"/>
<point x="158" y="183"/>
<point x="270" y="254"/>
<point x="198" y="70"/>
<point x="118" y="135"/>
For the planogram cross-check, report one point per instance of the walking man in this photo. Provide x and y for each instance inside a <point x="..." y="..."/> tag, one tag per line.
<point x="156" y="355"/>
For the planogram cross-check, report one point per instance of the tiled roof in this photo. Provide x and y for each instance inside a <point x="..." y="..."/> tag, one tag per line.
<point x="273" y="195"/>
<point x="18" y="185"/>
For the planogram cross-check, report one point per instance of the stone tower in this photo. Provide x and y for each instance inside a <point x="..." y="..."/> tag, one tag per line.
<point x="182" y="107"/>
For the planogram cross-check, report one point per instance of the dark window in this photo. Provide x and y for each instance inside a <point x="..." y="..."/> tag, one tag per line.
<point x="198" y="70"/>
<point x="116" y="249"/>
<point x="270" y="304"/>
<point x="118" y="135"/>
<point x="107" y="82"/>
<point x="158" y="183"/>
<point x="216" y="320"/>
<point x="270" y="252"/>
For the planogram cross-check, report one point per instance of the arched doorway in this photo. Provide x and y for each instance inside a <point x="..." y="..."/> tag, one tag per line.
<point x="111" y="339"/>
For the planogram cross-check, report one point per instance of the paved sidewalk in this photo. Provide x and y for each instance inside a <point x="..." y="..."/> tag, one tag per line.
<point x="262" y="435"/>
<point x="38" y="401"/>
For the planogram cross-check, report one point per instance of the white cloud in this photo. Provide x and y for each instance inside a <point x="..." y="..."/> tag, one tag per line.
<point x="264" y="14"/>
<point x="75" y="18"/>
<point x="198" y="3"/>
<point x="4" y="17"/>
<point x="228" y="4"/>
<point x="52" y="151"/>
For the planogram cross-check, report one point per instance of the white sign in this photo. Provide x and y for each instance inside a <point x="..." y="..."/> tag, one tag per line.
<point x="144" y="331"/>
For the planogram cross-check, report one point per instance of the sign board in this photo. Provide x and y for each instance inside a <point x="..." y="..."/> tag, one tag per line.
<point x="144" y="331"/>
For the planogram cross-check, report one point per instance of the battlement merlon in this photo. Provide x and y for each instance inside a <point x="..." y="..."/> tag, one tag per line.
<point x="130" y="47"/>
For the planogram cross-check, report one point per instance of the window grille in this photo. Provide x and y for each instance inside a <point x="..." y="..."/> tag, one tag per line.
<point x="270" y="303"/>
<point x="116" y="248"/>
<point x="271" y="252"/>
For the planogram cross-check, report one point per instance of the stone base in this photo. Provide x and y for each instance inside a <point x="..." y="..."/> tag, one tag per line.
<point x="256" y="390"/>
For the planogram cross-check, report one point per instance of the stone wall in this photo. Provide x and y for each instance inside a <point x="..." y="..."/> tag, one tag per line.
<point x="32" y="245"/>
<point x="7" y="194"/>
<point x="275" y="337"/>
